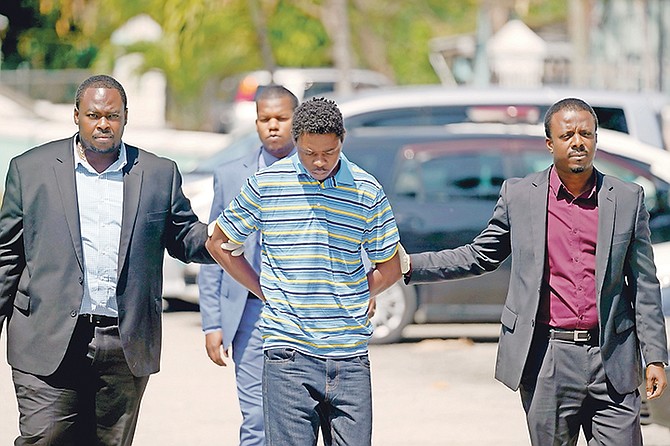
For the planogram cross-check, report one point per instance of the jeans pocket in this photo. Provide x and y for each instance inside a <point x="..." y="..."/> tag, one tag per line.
<point x="363" y="360"/>
<point x="279" y="355"/>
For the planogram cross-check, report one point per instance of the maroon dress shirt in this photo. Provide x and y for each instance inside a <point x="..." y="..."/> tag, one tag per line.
<point x="568" y="297"/>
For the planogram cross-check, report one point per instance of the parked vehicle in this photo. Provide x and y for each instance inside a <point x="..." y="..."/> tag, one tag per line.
<point x="443" y="189"/>
<point x="637" y="114"/>
<point x="379" y="122"/>
<point x="237" y="109"/>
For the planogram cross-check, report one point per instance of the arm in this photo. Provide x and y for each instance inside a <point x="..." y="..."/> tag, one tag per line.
<point x="12" y="258"/>
<point x="186" y="235"/>
<point x="236" y="265"/>
<point x="383" y="275"/>
<point x="649" y="318"/>
<point x="485" y="254"/>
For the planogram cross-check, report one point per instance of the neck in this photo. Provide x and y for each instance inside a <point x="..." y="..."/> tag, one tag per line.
<point x="577" y="184"/>
<point x="99" y="161"/>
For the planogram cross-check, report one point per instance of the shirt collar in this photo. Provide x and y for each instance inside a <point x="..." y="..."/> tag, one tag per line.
<point x="116" y="166"/>
<point x="267" y="159"/>
<point x="343" y="176"/>
<point x="557" y="187"/>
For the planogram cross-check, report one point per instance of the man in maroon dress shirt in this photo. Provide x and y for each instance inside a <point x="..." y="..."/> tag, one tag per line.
<point x="583" y="317"/>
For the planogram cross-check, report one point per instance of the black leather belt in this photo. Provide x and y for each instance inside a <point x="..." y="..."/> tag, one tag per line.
<point x="589" y="337"/>
<point x="99" y="320"/>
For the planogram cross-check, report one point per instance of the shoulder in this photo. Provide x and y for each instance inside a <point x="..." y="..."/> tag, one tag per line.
<point x="148" y="160"/>
<point x="56" y="148"/>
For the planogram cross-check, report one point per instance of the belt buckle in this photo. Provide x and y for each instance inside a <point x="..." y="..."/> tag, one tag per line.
<point x="581" y="336"/>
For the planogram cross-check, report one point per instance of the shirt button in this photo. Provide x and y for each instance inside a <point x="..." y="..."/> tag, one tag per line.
<point x="73" y="313"/>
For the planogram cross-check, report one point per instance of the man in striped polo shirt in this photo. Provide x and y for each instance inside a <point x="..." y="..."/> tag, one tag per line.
<point x="316" y="212"/>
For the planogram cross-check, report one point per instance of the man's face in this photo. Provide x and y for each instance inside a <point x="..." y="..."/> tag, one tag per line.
<point x="273" y="124"/>
<point x="320" y="154"/>
<point x="101" y="118"/>
<point x="573" y="141"/>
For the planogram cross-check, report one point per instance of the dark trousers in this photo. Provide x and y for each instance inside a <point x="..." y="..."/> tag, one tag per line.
<point x="91" y="399"/>
<point x="564" y="388"/>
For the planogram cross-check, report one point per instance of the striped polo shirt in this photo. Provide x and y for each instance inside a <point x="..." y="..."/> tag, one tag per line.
<point x="312" y="274"/>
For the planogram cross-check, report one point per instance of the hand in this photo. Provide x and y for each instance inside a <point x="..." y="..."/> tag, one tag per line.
<point x="214" y="347"/>
<point x="657" y="380"/>
<point x="372" y="307"/>
<point x="404" y="260"/>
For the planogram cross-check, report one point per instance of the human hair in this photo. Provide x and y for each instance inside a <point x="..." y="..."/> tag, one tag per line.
<point x="100" y="81"/>
<point x="318" y="116"/>
<point x="573" y="104"/>
<point x="274" y="91"/>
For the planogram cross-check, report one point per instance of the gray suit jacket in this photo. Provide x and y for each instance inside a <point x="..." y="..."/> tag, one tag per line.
<point x="41" y="264"/>
<point x="627" y="290"/>
<point x="222" y="298"/>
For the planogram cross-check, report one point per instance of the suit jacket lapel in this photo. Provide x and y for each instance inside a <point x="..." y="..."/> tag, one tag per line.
<point x="65" y="181"/>
<point x="537" y="206"/>
<point x="132" y="186"/>
<point x="606" y="215"/>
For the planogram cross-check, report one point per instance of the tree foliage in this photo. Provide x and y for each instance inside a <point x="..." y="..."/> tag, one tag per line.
<point x="206" y="40"/>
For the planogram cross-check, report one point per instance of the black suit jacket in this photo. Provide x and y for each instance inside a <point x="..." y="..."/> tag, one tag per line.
<point x="41" y="263"/>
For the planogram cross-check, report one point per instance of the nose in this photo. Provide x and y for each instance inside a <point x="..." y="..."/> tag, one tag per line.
<point x="273" y="123"/>
<point x="319" y="162"/>
<point x="103" y="123"/>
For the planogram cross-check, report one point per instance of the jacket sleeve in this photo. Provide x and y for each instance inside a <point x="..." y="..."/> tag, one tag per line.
<point x="649" y="318"/>
<point x="485" y="254"/>
<point x="186" y="235"/>
<point x="12" y="256"/>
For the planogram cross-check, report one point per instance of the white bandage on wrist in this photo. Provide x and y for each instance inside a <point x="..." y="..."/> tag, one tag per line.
<point x="404" y="259"/>
<point x="235" y="248"/>
<point x="210" y="228"/>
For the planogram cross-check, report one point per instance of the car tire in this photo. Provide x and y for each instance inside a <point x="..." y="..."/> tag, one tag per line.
<point x="395" y="310"/>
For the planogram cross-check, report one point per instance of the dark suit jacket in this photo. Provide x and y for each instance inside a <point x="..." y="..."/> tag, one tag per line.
<point x="627" y="291"/>
<point x="222" y="298"/>
<point x="41" y="264"/>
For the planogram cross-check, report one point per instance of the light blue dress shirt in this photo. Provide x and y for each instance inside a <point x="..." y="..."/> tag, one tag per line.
<point x="100" y="200"/>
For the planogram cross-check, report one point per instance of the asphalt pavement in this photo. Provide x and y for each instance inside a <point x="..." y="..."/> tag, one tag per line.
<point x="435" y="388"/>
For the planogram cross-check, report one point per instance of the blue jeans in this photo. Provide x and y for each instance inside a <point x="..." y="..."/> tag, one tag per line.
<point x="301" y="393"/>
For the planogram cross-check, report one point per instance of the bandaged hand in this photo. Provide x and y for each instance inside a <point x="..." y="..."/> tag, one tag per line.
<point x="404" y="259"/>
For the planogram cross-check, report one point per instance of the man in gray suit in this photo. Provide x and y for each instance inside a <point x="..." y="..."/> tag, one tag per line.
<point x="230" y="313"/>
<point x="84" y="225"/>
<point x="583" y="309"/>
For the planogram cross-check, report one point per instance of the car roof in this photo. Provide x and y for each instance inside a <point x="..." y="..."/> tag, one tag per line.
<point x="642" y="111"/>
<point x="610" y="141"/>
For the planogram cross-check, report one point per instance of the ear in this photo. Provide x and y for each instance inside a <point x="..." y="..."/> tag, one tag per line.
<point x="75" y="116"/>
<point x="550" y="145"/>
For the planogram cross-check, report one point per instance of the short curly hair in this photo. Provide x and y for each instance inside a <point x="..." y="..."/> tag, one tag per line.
<point x="318" y="116"/>
<point x="100" y="81"/>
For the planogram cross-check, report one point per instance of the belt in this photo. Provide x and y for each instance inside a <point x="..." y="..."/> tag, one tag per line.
<point x="99" y="320"/>
<point x="575" y="336"/>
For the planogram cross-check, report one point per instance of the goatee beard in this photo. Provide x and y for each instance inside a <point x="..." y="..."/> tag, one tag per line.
<point x="578" y="169"/>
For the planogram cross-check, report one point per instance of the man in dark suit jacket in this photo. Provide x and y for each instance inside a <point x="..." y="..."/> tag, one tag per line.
<point x="583" y="307"/>
<point x="84" y="225"/>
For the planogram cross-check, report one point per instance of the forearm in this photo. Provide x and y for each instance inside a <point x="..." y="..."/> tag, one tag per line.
<point x="236" y="265"/>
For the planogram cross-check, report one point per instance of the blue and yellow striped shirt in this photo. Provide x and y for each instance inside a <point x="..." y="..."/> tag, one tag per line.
<point x="312" y="273"/>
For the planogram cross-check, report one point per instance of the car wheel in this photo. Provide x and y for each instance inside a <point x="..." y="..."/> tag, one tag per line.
<point x="395" y="309"/>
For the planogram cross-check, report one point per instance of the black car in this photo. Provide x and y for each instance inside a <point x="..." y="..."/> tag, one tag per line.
<point x="443" y="186"/>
